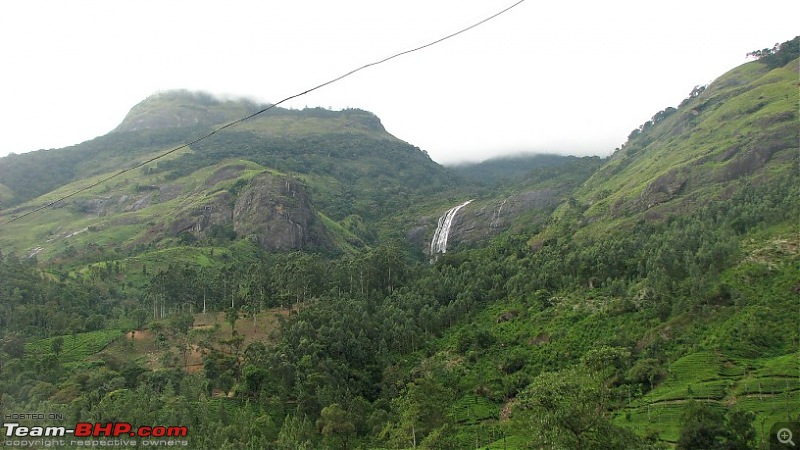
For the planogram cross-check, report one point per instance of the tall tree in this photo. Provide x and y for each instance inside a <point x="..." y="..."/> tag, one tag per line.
<point x="570" y="410"/>
<point x="336" y="424"/>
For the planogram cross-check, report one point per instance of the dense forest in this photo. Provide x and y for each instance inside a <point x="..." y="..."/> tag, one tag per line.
<point x="379" y="347"/>
<point x="604" y="324"/>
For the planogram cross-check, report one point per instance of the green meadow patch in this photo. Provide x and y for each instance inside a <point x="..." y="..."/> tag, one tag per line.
<point x="75" y="347"/>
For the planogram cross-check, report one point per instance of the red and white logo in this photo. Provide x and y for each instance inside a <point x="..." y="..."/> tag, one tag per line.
<point x="97" y="429"/>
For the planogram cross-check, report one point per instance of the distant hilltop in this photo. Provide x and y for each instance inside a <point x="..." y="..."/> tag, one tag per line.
<point x="184" y="108"/>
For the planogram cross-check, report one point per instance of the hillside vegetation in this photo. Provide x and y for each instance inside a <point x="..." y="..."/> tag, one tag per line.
<point x="647" y="300"/>
<point x="341" y="173"/>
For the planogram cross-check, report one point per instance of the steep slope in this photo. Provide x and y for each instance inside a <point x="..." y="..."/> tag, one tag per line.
<point x="346" y="161"/>
<point x="184" y="109"/>
<point x="6" y="196"/>
<point x="158" y="123"/>
<point x="669" y="275"/>
<point x="349" y="150"/>
<point x="647" y="301"/>
<point x="523" y="198"/>
<point x="224" y="201"/>
<point x="350" y="163"/>
<point x="741" y="128"/>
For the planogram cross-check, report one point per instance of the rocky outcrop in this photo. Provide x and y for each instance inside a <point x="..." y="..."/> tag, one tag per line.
<point x="200" y="220"/>
<point x="497" y="216"/>
<point x="482" y="220"/>
<point x="274" y="210"/>
<point x="182" y="108"/>
<point x="278" y="213"/>
<point x="662" y="189"/>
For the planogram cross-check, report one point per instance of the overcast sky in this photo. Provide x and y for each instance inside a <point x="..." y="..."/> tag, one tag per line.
<point x="550" y="76"/>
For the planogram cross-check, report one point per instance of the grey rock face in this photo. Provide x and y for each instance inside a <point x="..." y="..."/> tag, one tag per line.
<point x="277" y="211"/>
<point x="274" y="210"/>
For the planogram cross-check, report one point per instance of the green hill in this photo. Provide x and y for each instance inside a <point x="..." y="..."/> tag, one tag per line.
<point x="676" y="261"/>
<point x="510" y="169"/>
<point x="645" y="300"/>
<point x="740" y="128"/>
<point x="343" y="164"/>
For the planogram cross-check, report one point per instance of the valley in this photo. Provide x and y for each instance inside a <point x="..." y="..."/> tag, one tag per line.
<point x="308" y="280"/>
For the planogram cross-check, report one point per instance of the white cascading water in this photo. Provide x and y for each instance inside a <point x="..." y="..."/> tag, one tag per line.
<point x="439" y="241"/>
<point x="496" y="216"/>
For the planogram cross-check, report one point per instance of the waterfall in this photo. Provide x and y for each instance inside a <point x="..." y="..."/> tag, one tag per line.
<point x="496" y="216"/>
<point x="439" y="241"/>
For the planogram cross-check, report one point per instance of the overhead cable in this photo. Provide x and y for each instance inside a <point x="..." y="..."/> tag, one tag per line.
<point x="250" y="116"/>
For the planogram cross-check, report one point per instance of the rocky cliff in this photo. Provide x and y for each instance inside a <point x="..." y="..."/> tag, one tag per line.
<point x="274" y="210"/>
<point x="481" y="220"/>
<point x="277" y="211"/>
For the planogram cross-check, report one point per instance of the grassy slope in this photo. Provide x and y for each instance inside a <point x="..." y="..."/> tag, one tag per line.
<point x="71" y="224"/>
<point x="705" y="362"/>
<point x="750" y="110"/>
<point x="6" y="194"/>
<point x="718" y="367"/>
<point x="742" y="129"/>
<point x="746" y="109"/>
<point x="51" y="233"/>
<point x="76" y="348"/>
<point x="346" y="158"/>
<point x="86" y="349"/>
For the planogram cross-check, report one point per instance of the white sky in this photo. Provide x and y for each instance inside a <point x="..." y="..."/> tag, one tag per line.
<point x="564" y="76"/>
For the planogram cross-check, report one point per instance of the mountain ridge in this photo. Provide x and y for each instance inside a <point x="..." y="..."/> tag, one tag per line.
<point x="345" y="160"/>
<point x="651" y="291"/>
<point x="164" y="121"/>
<point x="184" y="108"/>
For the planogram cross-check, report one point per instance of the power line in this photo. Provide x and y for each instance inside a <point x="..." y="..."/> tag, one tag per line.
<point x="250" y="116"/>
